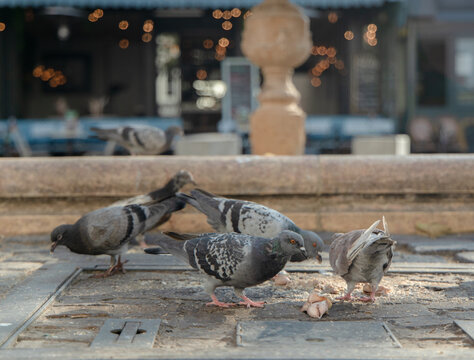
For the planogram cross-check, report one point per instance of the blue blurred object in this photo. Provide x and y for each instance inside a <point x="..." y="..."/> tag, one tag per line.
<point x="58" y="137"/>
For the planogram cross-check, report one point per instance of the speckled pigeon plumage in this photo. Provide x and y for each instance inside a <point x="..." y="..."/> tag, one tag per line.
<point x="233" y="259"/>
<point x="246" y="217"/>
<point x="109" y="230"/>
<point x="180" y="179"/>
<point x="362" y="256"/>
<point x="140" y="140"/>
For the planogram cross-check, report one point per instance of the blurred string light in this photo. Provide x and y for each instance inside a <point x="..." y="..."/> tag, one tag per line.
<point x="148" y="26"/>
<point x="95" y="15"/>
<point x="316" y="81"/>
<point x="208" y="44"/>
<point x="224" y="42"/>
<point x="146" y="37"/>
<point x="124" y="43"/>
<point x="227" y="25"/>
<point x="247" y="14"/>
<point x="201" y="74"/>
<point x="123" y="25"/>
<point x="236" y="12"/>
<point x="332" y="17"/>
<point x="370" y="36"/>
<point x="220" y="50"/>
<point x="217" y="14"/>
<point x="331" y="52"/>
<point x="63" y="32"/>
<point x="226" y="15"/>
<point x="54" y="78"/>
<point x="2" y="26"/>
<point x="349" y="35"/>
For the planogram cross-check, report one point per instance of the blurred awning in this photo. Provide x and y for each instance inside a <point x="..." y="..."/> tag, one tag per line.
<point x="203" y="4"/>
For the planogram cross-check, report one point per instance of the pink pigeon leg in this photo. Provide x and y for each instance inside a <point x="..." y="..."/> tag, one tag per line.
<point x="346" y="297"/>
<point x="370" y="298"/>
<point x="251" y="303"/>
<point x="218" y="303"/>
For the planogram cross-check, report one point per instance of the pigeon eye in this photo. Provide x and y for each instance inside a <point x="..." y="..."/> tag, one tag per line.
<point x="314" y="245"/>
<point x="59" y="237"/>
<point x="293" y="241"/>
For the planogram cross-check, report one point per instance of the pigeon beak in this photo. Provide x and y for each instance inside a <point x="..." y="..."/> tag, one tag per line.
<point x="193" y="182"/>
<point x="319" y="258"/>
<point x="303" y="251"/>
<point x="53" y="246"/>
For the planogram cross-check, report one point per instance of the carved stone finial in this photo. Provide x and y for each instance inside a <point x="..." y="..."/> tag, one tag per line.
<point x="277" y="38"/>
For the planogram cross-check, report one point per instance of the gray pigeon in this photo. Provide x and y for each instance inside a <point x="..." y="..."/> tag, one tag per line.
<point x="140" y="140"/>
<point x="180" y="179"/>
<point x="109" y="230"/>
<point x="246" y="217"/>
<point x="233" y="259"/>
<point x="362" y="256"/>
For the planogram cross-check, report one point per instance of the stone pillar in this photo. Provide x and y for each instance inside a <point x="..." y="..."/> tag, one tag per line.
<point x="277" y="38"/>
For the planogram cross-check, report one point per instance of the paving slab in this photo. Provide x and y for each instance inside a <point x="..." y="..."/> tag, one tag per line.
<point x="441" y="246"/>
<point x="465" y="257"/>
<point x="20" y="305"/>
<point x="467" y="326"/>
<point x="353" y="334"/>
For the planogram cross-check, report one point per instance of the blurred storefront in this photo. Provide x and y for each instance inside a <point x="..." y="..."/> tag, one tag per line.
<point x="375" y="66"/>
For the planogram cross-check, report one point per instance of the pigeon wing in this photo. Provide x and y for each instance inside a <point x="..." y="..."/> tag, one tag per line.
<point x="338" y="251"/>
<point x="218" y="255"/>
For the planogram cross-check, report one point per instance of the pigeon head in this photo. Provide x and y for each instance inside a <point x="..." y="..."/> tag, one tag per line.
<point x="172" y="131"/>
<point x="59" y="236"/>
<point x="313" y="244"/>
<point x="289" y="243"/>
<point x="183" y="177"/>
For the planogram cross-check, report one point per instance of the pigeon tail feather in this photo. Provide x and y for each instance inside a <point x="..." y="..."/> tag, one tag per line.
<point x="180" y="236"/>
<point x="363" y="241"/>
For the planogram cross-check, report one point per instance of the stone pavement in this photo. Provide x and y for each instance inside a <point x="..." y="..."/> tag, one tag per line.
<point x="50" y="307"/>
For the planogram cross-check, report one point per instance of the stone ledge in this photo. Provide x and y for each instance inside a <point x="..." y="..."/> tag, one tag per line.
<point x="244" y="175"/>
<point x="323" y="193"/>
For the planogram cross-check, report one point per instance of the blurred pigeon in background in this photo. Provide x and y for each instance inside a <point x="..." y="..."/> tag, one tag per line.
<point x="362" y="256"/>
<point x="233" y="259"/>
<point x="246" y="217"/>
<point x="180" y="179"/>
<point x="109" y="230"/>
<point x="140" y="140"/>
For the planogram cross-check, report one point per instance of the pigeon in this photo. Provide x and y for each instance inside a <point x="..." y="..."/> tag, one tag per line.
<point x="140" y="140"/>
<point x="362" y="256"/>
<point x="246" y="217"/>
<point x="180" y="179"/>
<point x="109" y="230"/>
<point x="233" y="259"/>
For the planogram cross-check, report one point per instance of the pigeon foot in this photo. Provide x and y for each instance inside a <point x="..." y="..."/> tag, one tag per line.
<point x="370" y="298"/>
<point x="250" y="303"/>
<point x="218" y="303"/>
<point x="346" y="297"/>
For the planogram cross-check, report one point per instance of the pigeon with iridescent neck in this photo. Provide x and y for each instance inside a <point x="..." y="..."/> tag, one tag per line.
<point x="232" y="259"/>
<point x="109" y="230"/>
<point x="362" y="256"/>
<point x="246" y="217"/>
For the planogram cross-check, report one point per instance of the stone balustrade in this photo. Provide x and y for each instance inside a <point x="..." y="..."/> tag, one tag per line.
<point x="322" y="193"/>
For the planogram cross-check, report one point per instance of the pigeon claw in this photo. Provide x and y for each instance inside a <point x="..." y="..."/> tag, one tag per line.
<point x="218" y="303"/>
<point x="346" y="297"/>
<point x="250" y="303"/>
<point x="370" y="298"/>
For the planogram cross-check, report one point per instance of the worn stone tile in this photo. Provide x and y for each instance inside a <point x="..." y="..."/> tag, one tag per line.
<point x="466" y="256"/>
<point x="421" y="321"/>
<point x="442" y="246"/>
